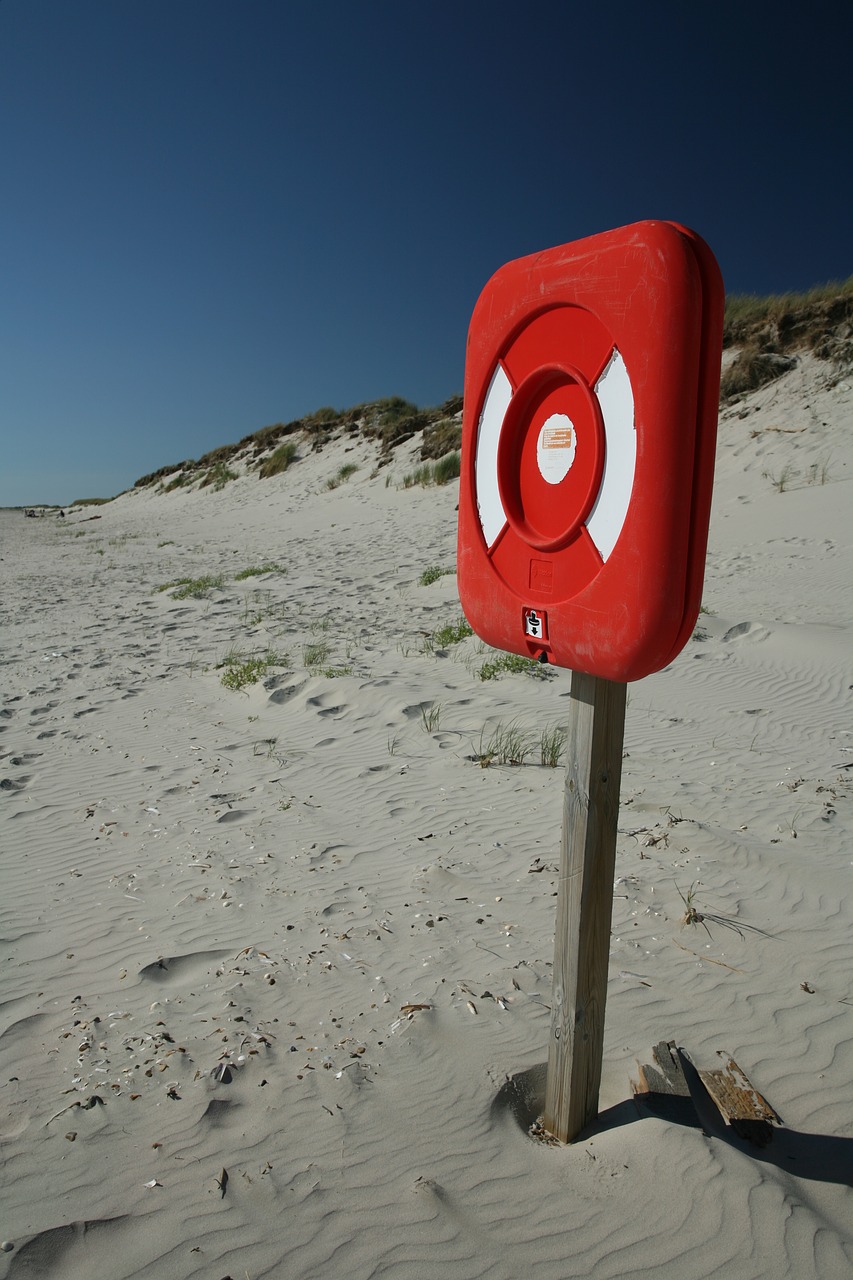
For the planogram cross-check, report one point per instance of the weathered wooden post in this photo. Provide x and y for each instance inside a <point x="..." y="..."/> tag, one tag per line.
<point x="588" y="438"/>
<point x="584" y="903"/>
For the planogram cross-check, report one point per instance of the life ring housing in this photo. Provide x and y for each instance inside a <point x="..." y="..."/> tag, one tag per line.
<point x="589" y="428"/>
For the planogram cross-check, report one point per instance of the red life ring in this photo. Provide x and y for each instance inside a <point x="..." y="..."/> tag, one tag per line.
<point x="588" y="435"/>
<point x="556" y="447"/>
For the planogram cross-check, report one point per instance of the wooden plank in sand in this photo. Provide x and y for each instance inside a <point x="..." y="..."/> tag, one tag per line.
<point x="740" y="1104"/>
<point x="584" y="903"/>
<point x="665" y="1075"/>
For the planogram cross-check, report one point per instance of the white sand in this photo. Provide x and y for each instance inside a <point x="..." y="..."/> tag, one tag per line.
<point x="194" y="878"/>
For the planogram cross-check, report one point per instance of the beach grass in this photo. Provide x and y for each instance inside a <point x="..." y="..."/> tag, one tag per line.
<point x="279" y="460"/>
<point x="255" y="571"/>
<point x="193" y="588"/>
<point x="435" y="473"/>
<point x="244" y="669"/>
<point x="432" y="574"/>
<point x="343" y="473"/>
<point x="512" y="664"/>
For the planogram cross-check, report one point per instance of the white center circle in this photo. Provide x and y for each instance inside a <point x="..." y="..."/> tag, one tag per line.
<point x="555" y="448"/>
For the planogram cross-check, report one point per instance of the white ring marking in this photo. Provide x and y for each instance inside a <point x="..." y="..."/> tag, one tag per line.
<point x="610" y="508"/>
<point x="492" y="514"/>
<point x="616" y="398"/>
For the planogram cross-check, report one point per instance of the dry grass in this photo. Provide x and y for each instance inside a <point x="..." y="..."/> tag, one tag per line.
<point x="273" y="449"/>
<point x="278" y="461"/>
<point x="769" y="330"/>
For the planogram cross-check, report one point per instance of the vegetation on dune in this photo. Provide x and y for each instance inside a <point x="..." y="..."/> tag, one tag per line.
<point x="767" y="333"/>
<point x="451" y="633"/>
<point x="195" y="588"/>
<point x="259" y="441"/>
<point x="343" y="473"/>
<point x="790" y="311"/>
<point x="512" y="664"/>
<point x="255" y="571"/>
<point x="432" y="573"/>
<point x="274" y="449"/>
<point x="440" y="438"/>
<point x="244" y="669"/>
<point x="154" y="476"/>
<point x="278" y="461"/>
<point x="441" y="472"/>
<point x="217" y="475"/>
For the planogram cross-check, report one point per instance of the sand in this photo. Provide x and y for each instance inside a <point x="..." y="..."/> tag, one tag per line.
<point x="270" y="955"/>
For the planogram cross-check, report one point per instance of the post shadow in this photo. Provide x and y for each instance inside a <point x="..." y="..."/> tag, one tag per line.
<point x="817" y="1157"/>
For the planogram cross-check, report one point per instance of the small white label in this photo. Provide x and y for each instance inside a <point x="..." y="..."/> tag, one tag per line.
<point x="555" y="448"/>
<point x="533" y="624"/>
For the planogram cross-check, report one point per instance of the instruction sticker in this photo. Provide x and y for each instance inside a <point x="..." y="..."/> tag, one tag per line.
<point x="555" y="448"/>
<point x="536" y="624"/>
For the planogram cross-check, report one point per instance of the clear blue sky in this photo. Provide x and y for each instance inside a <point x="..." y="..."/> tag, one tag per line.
<point x="218" y="214"/>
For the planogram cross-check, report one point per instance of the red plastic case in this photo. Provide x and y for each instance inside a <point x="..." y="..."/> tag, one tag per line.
<point x="588" y="439"/>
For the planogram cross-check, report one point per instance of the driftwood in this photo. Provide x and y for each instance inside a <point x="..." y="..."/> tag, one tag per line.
<point x="663" y="1089"/>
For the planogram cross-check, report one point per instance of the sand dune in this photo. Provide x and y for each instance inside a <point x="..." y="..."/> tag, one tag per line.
<point x="271" y="954"/>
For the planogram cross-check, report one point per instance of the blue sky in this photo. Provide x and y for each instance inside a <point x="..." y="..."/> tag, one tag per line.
<point x="218" y="214"/>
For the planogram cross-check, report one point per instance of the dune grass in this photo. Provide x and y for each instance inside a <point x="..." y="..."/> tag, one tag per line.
<point x="768" y="331"/>
<point x="343" y="473"/>
<point x="438" y="473"/>
<point x="278" y="461"/>
<point x="432" y="574"/>
<point x="511" y="664"/>
<point x="443" y="637"/>
<point x="254" y="571"/>
<point x="244" y="669"/>
<point x="218" y="477"/>
<point x="749" y="308"/>
<point x="193" y="588"/>
<point x="512" y="744"/>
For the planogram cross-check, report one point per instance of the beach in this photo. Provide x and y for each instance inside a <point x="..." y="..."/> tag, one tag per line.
<point x="274" y="947"/>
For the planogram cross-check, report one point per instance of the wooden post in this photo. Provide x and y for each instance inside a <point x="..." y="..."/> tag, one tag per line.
<point x="584" y="903"/>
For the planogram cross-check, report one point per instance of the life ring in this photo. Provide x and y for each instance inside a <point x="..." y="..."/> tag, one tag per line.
<point x="556" y="448"/>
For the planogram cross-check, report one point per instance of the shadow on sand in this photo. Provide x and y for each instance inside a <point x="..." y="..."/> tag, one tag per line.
<point x="815" y="1156"/>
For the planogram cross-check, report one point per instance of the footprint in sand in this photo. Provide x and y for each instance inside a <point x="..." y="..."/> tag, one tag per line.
<point x="61" y="1250"/>
<point x="320" y="705"/>
<point x="284" y="694"/>
<point x="195" y="965"/>
<point x="743" y="630"/>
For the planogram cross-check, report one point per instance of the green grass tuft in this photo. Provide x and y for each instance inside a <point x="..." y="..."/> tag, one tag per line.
<point x="432" y="574"/>
<point x="343" y="473"/>
<point x="444" y="637"/>
<point x="218" y="476"/>
<point x="256" y="571"/>
<point x="511" y="664"/>
<point x="241" y="669"/>
<point x="278" y="461"/>
<point x="440" y="472"/>
<point x="452" y="633"/>
<point x="431" y="717"/>
<point x="552" y="743"/>
<point x="506" y="744"/>
<point x="315" y="653"/>
<point x="195" y="588"/>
